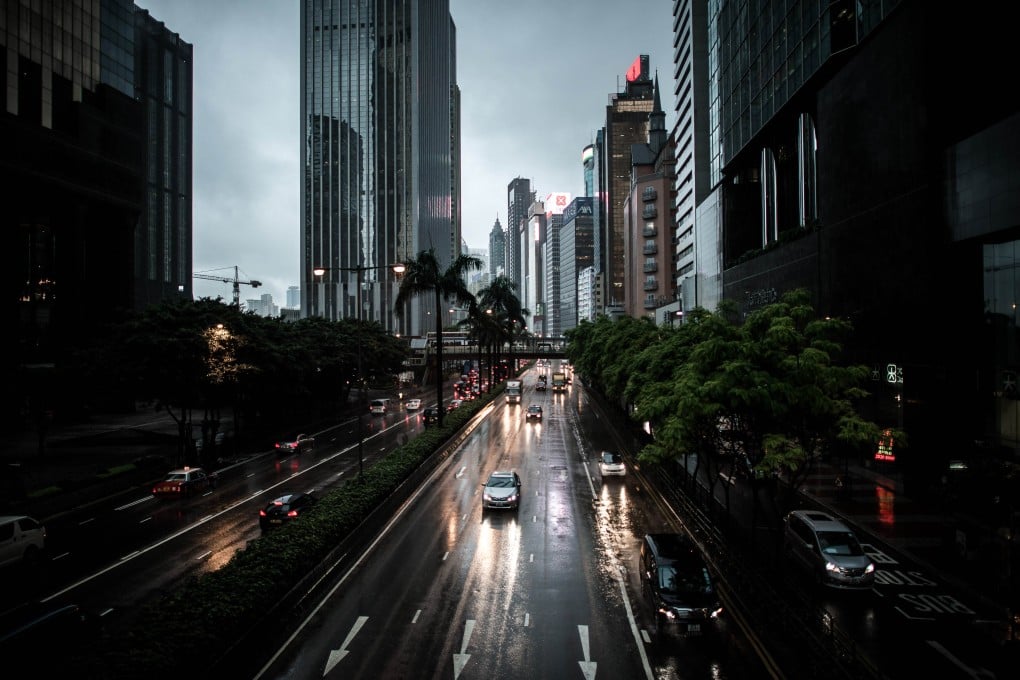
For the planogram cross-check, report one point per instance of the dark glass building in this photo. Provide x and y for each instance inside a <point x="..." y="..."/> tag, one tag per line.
<point x="164" y="79"/>
<point x="82" y="246"/>
<point x="857" y="150"/>
<point x="378" y="152"/>
<point x="577" y="251"/>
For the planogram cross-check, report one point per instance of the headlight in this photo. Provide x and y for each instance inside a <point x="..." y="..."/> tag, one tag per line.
<point x="829" y="566"/>
<point x="487" y="496"/>
<point x="870" y="568"/>
<point x="512" y="497"/>
<point x="667" y="612"/>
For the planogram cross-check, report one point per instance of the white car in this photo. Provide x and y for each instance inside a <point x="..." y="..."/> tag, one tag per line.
<point x="22" y="540"/>
<point x="413" y="404"/>
<point x="611" y="463"/>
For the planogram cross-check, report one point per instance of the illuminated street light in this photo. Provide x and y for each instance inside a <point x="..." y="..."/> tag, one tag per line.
<point x="398" y="268"/>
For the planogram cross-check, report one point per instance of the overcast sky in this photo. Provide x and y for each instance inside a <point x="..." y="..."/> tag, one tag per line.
<point x="535" y="77"/>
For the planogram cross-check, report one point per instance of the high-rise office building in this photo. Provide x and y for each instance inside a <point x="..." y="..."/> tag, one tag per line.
<point x="626" y="124"/>
<point x="96" y="175"/>
<point x="867" y="166"/>
<point x="293" y="297"/>
<point x="648" y="221"/>
<point x="379" y="153"/>
<point x="531" y="292"/>
<point x="551" y="262"/>
<point x="163" y="77"/>
<point x="588" y="169"/>
<point x="577" y="251"/>
<point x="519" y="198"/>
<point x="497" y="250"/>
<point x="695" y="285"/>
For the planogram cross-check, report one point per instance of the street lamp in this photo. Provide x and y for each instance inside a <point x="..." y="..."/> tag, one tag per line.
<point x="398" y="268"/>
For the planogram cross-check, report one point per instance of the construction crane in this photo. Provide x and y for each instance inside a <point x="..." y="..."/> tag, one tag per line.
<point x="235" y="281"/>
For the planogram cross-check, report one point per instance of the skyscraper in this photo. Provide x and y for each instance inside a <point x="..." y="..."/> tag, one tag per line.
<point x="698" y="283"/>
<point x="626" y="124"/>
<point x="96" y="172"/>
<point x="379" y="152"/>
<point x="163" y="76"/>
<point x="497" y="250"/>
<point x="519" y="198"/>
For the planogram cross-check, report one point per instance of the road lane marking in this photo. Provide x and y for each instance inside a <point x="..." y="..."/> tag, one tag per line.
<point x="587" y="666"/>
<point x="335" y="655"/>
<point x="459" y="660"/>
<point x="416" y="615"/>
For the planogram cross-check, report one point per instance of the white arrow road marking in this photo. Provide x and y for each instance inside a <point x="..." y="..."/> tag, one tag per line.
<point x="459" y="660"/>
<point x="336" y="654"/>
<point x="587" y="666"/>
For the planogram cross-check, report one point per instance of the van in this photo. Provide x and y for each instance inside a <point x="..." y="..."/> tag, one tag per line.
<point x="829" y="549"/>
<point x="22" y="540"/>
<point x="378" y="406"/>
<point x="679" y="586"/>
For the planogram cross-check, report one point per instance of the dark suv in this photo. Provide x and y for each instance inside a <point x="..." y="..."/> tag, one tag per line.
<point x="431" y="415"/>
<point x="679" y="586"/>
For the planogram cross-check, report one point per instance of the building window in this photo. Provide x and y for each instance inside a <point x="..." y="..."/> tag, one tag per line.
<point x="807" y="171"/>
<point x="769" y="209"/>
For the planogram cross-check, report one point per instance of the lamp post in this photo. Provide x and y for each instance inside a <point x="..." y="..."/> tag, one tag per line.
<point x="398" y="268"/>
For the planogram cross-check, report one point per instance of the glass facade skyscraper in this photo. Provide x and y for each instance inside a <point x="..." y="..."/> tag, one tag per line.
<point x="378" y="152"/>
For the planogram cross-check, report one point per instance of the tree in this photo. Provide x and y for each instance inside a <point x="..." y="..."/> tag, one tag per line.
<point x="500" y="300"/>
<point x="424" y="276"/>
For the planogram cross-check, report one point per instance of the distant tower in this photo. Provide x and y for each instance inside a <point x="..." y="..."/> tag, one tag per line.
<point x="588" y="164"/>
<point x="497" y="250"/>
<point x="627" y="123"/>
<point x="519" y="198"/>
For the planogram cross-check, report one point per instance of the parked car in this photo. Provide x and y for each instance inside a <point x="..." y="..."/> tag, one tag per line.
<point x="298" y="444"/>
<point x="829" y="549"/>
<point x="534" y="412"/>
<point x="431" y="415"/>
<point x="611" y="464"/>
<point x="287" y="507"/>
<point x="22" y="540"/>
<point x="502" y="490"/>
<point x="679" y="586"/>
<point x="413" y="404"/>
<point x="185" y="482"/>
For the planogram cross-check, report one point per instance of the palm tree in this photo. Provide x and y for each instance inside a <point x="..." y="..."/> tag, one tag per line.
<point x="423" y="276"/>
<point x="484" y="330"/>
<point x="501" y="297"/>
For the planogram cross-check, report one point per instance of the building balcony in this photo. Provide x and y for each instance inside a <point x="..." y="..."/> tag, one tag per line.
<point x="649" y="232"/>
<point x="649" y="211"/>
<point x="651" y="250"/>
<point x="651" y="284"/>
<point x="651" y="302"/>
<point x="649" y="194"/>
<point x="650" y="267"/>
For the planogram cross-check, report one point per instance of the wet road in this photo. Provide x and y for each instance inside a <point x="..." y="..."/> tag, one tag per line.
<point x="549" y="591"/>
<point x="120" y="554"/>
